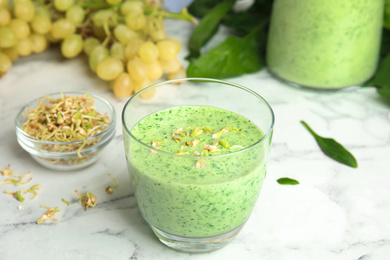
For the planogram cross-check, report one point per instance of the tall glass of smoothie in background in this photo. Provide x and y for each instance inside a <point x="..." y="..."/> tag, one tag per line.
<point x="327" y="44"/>
<point x="197" y="155"/>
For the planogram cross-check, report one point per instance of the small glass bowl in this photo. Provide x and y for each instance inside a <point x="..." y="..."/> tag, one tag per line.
<point x="66" y="155"/>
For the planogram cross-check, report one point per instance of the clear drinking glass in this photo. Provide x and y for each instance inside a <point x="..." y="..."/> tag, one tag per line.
<point x="197" y="203"/>
<point x="325" y="44"/>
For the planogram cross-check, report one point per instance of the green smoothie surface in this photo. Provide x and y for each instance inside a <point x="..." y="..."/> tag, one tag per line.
<point x="176" y="194"/>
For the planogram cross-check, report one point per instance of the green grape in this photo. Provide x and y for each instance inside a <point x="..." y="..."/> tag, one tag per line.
<point x="146" y="82"/>
<point x="39" y="43"/>
<point x="20" y="28"/>
<point x="62" y="28"/>
<point x="99" y="32"/>
<point x="75" y="14"/>
<point x="123" y="34"/>
<point x="131" y="48"/>
<point x="113" y="2"/>
<point x="89" y="44"/>
<point x="154" y="70"/>
<point x="122" y="86"/>
<point x="7" y="37"/>
<point x="5" y="16"/>
<point x="132" y="7"/>
<point x="157" y="35"/>
<point x="3" y="3"/>
<point x="24" y="47"/>
<point x="24" y="10"/>
<point x="148" y="52"/>
<point x="11" y="52"/>
<point x="42" y="11"/>
<point x="63" y="5"/>
<point x="152" y="5"/>
<point x="72" y="46"/>
<point x="50" y="38"/>
<point x="180" y="74"/>
<point x="41" y="24"/>
<point x="170" y="66"/>
<point x="117" y="51"/>
<point x="104" y="15"/>
<point x="167" y="49"/>
<point x="135" y="21"/>
<point x="5" y="63"/>
<point x="98" y="54"/>
<point x="109" y="68"/>
<point x="137" y="69"/>
<point x="177" y="43"/>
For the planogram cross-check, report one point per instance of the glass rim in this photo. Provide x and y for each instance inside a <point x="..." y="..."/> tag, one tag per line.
<point x="266" y="133"/>
<point x="110" y="127"/>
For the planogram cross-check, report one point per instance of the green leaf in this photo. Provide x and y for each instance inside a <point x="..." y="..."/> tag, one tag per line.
<point x="287" y="181"/>
<point x="207" y="27"/>
<point x="234" y="57"/>
<point x="381" y="78"/>
<point x="244" y="22"/>
<point x="386" y="17"/>
<point x="200" y="8"/>
<point x="333" y="149"/>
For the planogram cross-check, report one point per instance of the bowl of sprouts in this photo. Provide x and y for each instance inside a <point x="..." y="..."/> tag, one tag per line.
<point x="66" y="130"/>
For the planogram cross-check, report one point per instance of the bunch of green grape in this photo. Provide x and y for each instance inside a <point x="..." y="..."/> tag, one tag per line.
<point x="22" y="31"/>
<point x="125" y="41"/>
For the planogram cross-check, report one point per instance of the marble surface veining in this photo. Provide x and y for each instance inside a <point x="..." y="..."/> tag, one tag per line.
<point x="336" y="212"/>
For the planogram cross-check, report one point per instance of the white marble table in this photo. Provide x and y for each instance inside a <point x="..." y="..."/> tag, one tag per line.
<point x="335" y="213"/>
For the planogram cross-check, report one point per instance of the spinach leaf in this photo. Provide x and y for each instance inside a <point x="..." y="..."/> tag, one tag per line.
<point x="234" y="57"/>
<point x="333" y="149"/>
<point x="244" y="22"/>
<point x="381" y="78"/>
<point x="207" y="27"/>
<point x="200" y="8"/>
<point x="287" y="181"/>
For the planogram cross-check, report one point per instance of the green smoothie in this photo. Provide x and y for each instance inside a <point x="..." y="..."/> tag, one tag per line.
<point x="187" y="181"/>
<point x="325" y="43"/>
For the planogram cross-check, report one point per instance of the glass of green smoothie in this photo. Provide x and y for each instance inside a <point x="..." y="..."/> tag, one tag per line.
<point x="325" y="44"/>
<point x="197" y="156"/>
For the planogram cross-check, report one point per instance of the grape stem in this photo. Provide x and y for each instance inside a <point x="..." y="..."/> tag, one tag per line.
<point x="183" y="15"/>
<point x="97" y="5"/>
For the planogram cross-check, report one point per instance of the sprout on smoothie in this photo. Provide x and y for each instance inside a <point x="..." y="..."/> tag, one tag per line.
<point x="195" y="142"/>
<point x="154" y="151"/>
<point x="185" y="144"/>
<point x="196" y="132"/>
<point x="181" y="152"/>
<point x="225" y="130"/>
<point x="229" y="129"/>
<point x="217" y="134"/>
<point x="155" y="143"/>
<point x="224" y="143"/>
<point x="49" y="214"/>
<point x="211" y="148"/>
<point x="207" y="129"/>
<point x="177" y="139"/>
